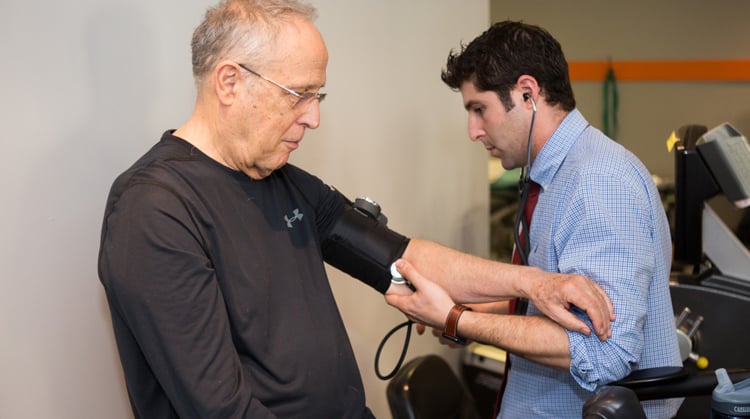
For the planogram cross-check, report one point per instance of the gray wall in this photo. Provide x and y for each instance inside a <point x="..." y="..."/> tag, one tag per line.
<point x="650" y="30"/>
<point x="88" y="85"/>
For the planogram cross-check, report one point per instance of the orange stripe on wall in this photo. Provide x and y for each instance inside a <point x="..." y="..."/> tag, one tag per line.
<point x="677" y="70"/>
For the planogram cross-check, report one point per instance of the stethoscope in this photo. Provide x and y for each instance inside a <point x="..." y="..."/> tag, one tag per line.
<point x="396" y="278"/>
<point x="521" y="224"/>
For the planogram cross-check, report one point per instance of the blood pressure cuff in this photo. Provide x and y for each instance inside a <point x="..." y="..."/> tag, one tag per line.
<point x="363" y="247"/>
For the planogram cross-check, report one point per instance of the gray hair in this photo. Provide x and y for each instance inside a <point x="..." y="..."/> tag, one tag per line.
<point x="243" y="29"/>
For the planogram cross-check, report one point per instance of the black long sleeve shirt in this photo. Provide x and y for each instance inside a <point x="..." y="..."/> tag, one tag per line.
<point x="218" y="294"/>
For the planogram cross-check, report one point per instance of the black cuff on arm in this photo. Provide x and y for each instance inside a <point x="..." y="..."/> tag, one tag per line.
<point x="363" y="248"/>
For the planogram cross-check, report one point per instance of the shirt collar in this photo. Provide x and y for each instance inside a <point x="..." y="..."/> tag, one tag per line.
<point x="553" y="152"/>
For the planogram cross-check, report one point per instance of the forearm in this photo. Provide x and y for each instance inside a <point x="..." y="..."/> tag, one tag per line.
<point x="498" y="307"/>
<point x="468" y="278"/>
<point x="535" y="338"/>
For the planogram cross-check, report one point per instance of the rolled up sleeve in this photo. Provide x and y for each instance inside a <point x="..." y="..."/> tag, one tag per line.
<point x="612" y="243"/>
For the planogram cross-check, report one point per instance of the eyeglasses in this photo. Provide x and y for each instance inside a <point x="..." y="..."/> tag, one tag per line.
<point x="302" y="98"/>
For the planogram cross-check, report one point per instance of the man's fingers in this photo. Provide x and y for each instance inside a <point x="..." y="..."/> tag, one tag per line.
<point x="601" y="326"/>
<point x="393" y="299"/>
<point x="408" y="271"/>
<point x="569" y="321"/>
<point x="603" y="314"/>
<point x="594" y="301"/>
<point x="610" y="306"/>
<point x="604" y="329"/>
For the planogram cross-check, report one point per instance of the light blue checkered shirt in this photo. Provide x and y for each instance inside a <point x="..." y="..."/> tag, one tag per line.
<point x="599" y="214"/>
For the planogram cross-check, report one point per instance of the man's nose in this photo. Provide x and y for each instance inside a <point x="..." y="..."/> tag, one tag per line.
<point x="310" y="117"/>
<point x="475" y="130"/>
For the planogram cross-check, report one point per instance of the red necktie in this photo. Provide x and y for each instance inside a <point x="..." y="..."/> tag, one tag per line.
<point x="528" y="211"/>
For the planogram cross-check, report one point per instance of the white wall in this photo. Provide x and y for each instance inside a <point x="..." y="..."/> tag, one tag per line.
<point x="88" y="85"/>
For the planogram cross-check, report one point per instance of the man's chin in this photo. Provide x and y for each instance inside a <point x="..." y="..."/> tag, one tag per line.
<point x="278" y="164"/>
<point x="506" y="164"/>
<point x="260" y="172"/>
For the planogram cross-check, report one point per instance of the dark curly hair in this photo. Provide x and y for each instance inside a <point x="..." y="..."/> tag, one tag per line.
<point x="498" y="57"/>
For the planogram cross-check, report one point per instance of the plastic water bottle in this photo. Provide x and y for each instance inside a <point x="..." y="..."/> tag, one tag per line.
<point x="730" y="401"/>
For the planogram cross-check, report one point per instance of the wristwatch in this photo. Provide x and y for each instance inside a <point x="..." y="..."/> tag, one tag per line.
<point x="451" y="324"/>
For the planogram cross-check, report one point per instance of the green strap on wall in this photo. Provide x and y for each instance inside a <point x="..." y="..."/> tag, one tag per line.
<point x="610" y="124"/>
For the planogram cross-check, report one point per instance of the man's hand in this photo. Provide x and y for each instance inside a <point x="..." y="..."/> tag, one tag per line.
<point x="428" y="305"/>
<point x="555" y="295"/>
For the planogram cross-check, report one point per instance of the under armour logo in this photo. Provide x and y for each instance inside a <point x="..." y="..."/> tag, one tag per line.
<point x="295" y="217"/>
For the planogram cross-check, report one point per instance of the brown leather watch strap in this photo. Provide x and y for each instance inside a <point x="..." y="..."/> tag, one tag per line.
<point x="451" y="324"/>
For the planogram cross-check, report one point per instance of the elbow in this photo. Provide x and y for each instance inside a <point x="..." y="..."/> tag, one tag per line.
<point x="599" y="363"/>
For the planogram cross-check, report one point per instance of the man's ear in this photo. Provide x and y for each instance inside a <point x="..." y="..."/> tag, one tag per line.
<point x="226" y="81"/>
<point x="528" y="86"/>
